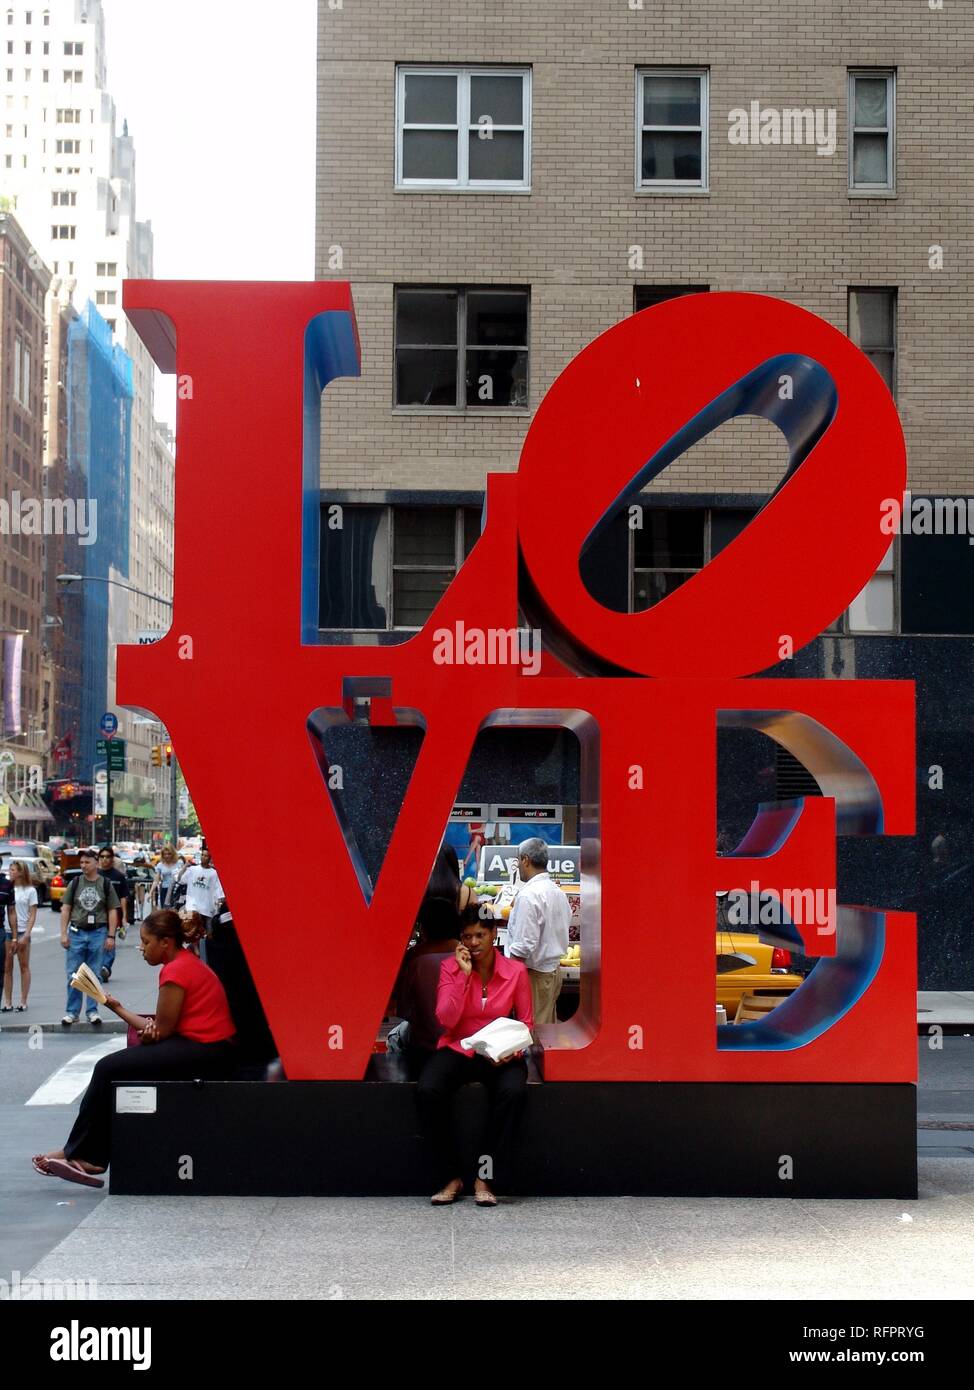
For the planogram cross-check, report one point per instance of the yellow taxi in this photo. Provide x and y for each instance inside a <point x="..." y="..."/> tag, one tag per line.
<point x="771" y="969"/>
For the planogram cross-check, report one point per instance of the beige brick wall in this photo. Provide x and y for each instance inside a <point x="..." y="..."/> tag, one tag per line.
<point x="778" y="219"/>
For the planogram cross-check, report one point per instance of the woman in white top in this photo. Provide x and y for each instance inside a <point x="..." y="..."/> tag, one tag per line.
<point x="167" y="872"/>
<point x="21" y="915"/>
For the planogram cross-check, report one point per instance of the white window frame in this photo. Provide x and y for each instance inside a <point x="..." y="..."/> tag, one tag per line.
<point x="860" y="190"/>
<point x="463" y="183"/>
<point x="675" y="185"/>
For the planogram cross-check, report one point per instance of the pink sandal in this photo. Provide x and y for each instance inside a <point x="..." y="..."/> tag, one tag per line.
<point x="64" y="1168"/>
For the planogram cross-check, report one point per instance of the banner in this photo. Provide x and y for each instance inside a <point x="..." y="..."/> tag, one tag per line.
<point x="13" y="653"/>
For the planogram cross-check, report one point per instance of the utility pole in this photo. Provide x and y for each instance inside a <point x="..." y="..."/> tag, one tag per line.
<point x="173" y="799"/>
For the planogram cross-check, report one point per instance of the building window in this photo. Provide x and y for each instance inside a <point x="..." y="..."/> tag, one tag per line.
<point x="874" y="608"/>
<point x="872" y="146"/>
<point x="107" y="268"/>
<point x="648" y="551"/>
<point x="388" y="567"/>
<point x="105" y="296"/>
<point x="671" y="128"/>
<point x="73" y="75"/>
<point x="645" y="296"/>
<point x="63" y="233"/>
<point x="68" y="146"/>
<point x="68" y="115"/>
<point x="872" y="327"/>
<point x="73" y="49"/>
<point x="62" y="198"/>
<point x="463" y="349"/>
<point x="463" y="128"/>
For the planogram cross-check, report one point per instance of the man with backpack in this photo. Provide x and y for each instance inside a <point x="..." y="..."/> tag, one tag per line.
<point x="89" y="924"/>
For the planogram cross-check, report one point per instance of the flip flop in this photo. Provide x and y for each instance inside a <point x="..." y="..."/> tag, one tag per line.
<point x="40" y="1163"/>
<point x="485" y="1199"/>
<point x="62" y="1168"/>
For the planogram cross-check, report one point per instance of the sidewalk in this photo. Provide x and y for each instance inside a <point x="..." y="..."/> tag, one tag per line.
<point x="132" y="982"/>
<point x="597" y="1248"/>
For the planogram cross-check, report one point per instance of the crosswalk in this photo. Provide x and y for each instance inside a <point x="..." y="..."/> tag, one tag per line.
<point x="64" y="1086"/>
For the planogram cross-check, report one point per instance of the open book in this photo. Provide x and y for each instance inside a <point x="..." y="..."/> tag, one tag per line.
<point x="85" y="979"/>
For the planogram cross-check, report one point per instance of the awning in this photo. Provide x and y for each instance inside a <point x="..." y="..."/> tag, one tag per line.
<point x="34" y="811"/>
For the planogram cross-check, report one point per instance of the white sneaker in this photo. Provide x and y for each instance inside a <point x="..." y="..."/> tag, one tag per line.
<point x="68" y="1019"/>
<point x="95" y="1020"/>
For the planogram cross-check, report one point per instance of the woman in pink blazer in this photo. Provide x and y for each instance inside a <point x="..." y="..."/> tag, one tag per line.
<point x="477" y="985"/>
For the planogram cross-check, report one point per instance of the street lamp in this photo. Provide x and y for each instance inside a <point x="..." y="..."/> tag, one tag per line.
<point x="65" y="579"/>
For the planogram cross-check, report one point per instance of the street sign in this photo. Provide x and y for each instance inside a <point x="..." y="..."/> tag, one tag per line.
<point x="113" y="751"/>
<point x="100" y="806"/>
<point x="101" y="777"/>
<point x="109" y="724"/>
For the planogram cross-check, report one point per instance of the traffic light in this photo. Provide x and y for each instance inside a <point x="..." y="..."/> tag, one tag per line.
<point x="157" y="755"/>
<point x="168" y="748"/>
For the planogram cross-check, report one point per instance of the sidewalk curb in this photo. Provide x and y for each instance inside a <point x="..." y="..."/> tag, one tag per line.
<point x="115" y="1026"/>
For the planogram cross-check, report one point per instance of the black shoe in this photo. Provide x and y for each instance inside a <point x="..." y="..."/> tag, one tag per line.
<point x="106" y="974"/>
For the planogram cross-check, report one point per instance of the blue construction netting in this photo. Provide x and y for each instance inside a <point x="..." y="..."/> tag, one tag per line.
<point x="99" y="450"/>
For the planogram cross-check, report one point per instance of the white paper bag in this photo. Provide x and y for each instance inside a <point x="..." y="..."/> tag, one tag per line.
<point x="499" y="1039"/>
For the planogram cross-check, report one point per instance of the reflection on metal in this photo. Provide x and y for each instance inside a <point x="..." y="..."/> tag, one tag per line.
<point x="729" y="961"/>
<point x="581" y="1028"/>
<point x="835" y="983"/>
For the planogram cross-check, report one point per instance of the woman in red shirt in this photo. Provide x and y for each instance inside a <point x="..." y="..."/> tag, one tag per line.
<point x="190" y="1036"/>
<point x="477" y="985"/>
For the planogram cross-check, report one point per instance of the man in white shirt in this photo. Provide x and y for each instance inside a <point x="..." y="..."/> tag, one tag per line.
<point x="538" y="927"/>
<point x="203" y="889"/>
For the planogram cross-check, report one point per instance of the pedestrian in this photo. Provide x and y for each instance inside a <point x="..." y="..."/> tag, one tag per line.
<point x="164" y="881"/>
<point x="477" y="985"/>
<point x="107" y="869"/>
<point x="6" y="901"/>
<point x="190" y="1036"/>
<point x="204" y="892"/>
<point x="89" y="923"/>
<point x="537" y="930"/>
<point x="21" y="916"/>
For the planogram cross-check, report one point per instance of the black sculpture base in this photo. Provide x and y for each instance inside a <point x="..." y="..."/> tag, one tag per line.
<point x="336" y="1138"/>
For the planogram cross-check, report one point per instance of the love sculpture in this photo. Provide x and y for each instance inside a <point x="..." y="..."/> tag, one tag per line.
<point x="242" y="669"/>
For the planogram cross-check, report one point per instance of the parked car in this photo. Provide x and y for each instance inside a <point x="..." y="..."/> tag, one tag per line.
<point x="40" y="866"/>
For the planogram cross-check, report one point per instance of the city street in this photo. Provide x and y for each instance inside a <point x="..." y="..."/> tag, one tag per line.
<point x="222" y="1248"/>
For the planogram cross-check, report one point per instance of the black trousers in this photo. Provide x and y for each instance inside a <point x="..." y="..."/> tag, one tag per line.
<point x="176" y="1059"/>
<point x="443" y="1075"/>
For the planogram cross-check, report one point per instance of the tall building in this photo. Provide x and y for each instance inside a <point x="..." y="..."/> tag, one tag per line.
<point x="502" y="183"/>
<point x="72" y="175"/>
<point x="24" y="280"/>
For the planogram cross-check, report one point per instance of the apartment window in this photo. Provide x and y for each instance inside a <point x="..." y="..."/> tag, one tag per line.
<point x="645" y="296"/>
<point x="27" y="46"/>
<point x="10" y="74"/>
<point x="63" y="233"/>
<point x="872" y="145"/>
<point x="68" y="115"/>
<point x="388" y="567"/>
<point x="63" y="198"/>
<point x="108" y="269"/>
<point x="671" y="128"/>
<point x="463" y="128"/>
<point x="674" y="543"/>
<point x="10" y="16"/>
<point x="28" y="17"/>
<point x="68" y="146"/>
<point x="464" y="349"/>
<point x="105" y="296"/>
<point x="73" y="49"/>
<point x="47" y="17"/>
<point x="73" y="75"/>
<point x="872" y="327"/>
<point x="874" y="608"/>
